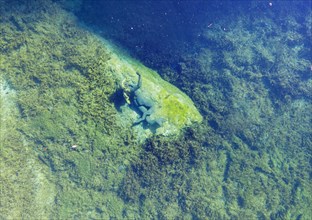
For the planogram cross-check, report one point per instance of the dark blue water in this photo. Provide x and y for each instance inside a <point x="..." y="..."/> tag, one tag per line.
<point x="167" y="28"/>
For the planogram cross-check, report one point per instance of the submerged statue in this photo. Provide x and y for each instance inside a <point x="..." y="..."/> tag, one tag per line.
<point x="134" y="95"/>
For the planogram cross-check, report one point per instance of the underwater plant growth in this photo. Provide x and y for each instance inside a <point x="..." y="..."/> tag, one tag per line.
<point x="249" y="74"/>
<point x="68" y="145"/>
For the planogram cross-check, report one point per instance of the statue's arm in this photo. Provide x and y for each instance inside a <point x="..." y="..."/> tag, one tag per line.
<point x="139" y="81"/>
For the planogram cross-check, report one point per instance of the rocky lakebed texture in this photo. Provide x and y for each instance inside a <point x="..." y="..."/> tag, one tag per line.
<point x="220" y="129"/>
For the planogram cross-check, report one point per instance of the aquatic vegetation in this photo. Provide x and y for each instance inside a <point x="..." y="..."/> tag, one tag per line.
<point x="250" y="107"/>
<point x="62" y="98"/>
<point x="246" y="155"/>
<point x="65" y="79"/>
<point x="26" y="187"/>
<point x="250" y="77"/>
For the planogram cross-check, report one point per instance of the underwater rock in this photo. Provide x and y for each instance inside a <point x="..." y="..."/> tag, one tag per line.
<point x="172" y="108"/>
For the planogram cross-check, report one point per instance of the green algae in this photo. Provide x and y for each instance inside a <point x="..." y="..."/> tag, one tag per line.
<point x="62" y="95"/>
<point x="259" y="145"/>
<point x="248" y="160"/>
<point x="65" y="78"/>
<point x="251" y="80"/>
<point x="27" y="189"/>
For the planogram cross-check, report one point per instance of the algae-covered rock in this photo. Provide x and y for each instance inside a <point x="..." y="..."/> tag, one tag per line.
<point x="172" y="106"/>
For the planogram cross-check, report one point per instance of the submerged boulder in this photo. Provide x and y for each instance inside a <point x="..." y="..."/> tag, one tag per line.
<point x="172" y="109"/>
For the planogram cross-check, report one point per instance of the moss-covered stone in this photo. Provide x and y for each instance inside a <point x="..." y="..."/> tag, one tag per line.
<point x="172" y="104"/>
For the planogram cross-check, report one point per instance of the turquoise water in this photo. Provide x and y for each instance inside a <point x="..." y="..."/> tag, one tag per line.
<point x="69" y="149"/>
